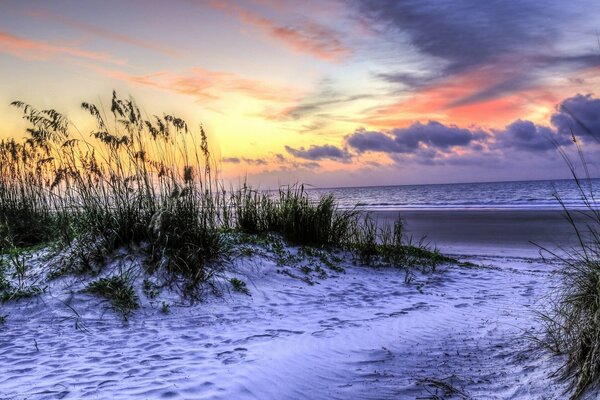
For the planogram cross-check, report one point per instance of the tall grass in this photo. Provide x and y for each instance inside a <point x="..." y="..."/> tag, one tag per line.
<point x="150" y="182"/>
<point x="134" y="180"/>
<point x="293" y="214"/>
<point x="572" y="320"/>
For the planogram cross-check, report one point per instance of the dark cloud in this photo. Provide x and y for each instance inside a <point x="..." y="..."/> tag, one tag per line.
<point x="433" y="141"/>
<point x="251" y="161"/>
<point x="321" y="102"/>
<point x="407" y="79"/>
<point x="580" y="115"/>
<point x="514" y="42"/>
<point x="363" y="140"/>
<point x="527" y="136"/>
<point x="316" y="153"/>
<point x="464" y="33"/>
<point x="432" y="135"/>
<point x="232" y="160"/>
<point x="508" y="84"/>
<point x="254" y="161"/>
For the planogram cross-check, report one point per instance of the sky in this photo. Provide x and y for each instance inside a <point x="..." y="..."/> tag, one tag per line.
<point x="327" y="93"/>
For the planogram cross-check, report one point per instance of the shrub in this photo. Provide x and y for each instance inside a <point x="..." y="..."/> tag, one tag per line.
<point x="118" y="290"/>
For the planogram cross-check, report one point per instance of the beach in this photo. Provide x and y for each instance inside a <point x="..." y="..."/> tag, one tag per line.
<point x="494" y="232"/>
<point x="461" y="331"/>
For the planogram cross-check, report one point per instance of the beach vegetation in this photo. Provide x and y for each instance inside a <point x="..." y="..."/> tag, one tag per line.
<point x="572" y="317"/>
<point x="148" y="185"/>
<point x="17" y="293"/>
<point x="118" y="290"/>
<point x="150" y="289"/>
<point x="291" y="213"/>
<point x="239" y="286"/>
<point x="387" y="244"/>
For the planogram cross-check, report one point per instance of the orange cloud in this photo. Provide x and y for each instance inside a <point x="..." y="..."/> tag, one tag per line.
<point x="40" y="50"/>
<point x="439" y="102"/>
<point x="307" y="37"/>
<point x="208" y="85"/>
<point x="101" y="32"/>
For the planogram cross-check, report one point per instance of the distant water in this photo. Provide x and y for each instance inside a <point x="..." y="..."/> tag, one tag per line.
<point x="492" y="195"/>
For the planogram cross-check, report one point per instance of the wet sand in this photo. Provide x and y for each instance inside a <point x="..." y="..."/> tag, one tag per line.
<point x="500" y="232"/>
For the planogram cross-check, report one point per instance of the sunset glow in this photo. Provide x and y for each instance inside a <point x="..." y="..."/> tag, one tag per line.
<point x="337" y="93"/>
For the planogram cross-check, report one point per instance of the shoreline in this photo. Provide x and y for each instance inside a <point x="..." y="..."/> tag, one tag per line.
<point x="489" y="232"/>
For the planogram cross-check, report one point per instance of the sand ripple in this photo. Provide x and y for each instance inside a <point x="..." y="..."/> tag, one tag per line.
<point x="365" y="334"/>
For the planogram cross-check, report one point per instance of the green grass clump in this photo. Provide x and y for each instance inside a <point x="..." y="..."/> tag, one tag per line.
<point x="293" y="214"/>
<point x="14" y="294"/>
<point x="239" y="286"/>
<point x="118" y="290"/>
<point x="375" y="245"/>
<point x="4" y="284"/>
<point x="150" y="289"/>
<point x="572" y="320"/>
<point x="136" y="182"/>
<point x="313" y="223"/>
<point x="255" y="212"/>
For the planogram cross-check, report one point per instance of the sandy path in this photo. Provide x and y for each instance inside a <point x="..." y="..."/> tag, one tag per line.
<point x="361" y="334"/>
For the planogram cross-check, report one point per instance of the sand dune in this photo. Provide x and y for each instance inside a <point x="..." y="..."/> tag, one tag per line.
<point x="363" y="334"/>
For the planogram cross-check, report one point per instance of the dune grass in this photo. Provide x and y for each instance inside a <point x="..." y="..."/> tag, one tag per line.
<point x="149" y="184"/>
<point x="118" y="290"/>
<point x="388" y="244"/>
<point x="572" y="319"/>
<point x="291" y="213"/>
<point x="239" y="286"/>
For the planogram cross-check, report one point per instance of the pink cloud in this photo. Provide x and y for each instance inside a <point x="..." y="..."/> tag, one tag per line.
<point x="41" y="50"/>
<point x="209" y="85"/>
<point x="304" y="37"/>
<point x="104" y="33"/>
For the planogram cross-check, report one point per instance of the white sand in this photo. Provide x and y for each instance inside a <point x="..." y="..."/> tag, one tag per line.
<point x="362" y="334"/>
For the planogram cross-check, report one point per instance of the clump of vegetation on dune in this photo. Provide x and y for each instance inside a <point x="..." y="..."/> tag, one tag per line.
<point x="149" y="183"/>
<point x="387" y="244"/>
<point x="291" y="213"/>
<point x="573" y="319"/>
<point x="118" y="290"/>
<point x="136" y="181"/>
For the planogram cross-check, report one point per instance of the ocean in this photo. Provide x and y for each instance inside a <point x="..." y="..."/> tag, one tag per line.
<point x="518" y="195"/>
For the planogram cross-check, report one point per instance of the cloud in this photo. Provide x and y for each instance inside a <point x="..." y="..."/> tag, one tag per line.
<point x="101" y="32"/>
<point x="527" y="136"/>
<point x="231" y="160"/>
<point x="316" y="153"/>
<point x="303" y="36"/>
<point x="432" y="135"/>
<point x="363" y="141"/>
<point x="209" y="85"/>
<point x="507" y="41"/>
<point x="436" y="142"/>
<point x="245" y="160"/>
<point x="279" y="157"/>
<point x="30" y="49"/>
<point x="464" y="33"/>
<point x="255" y="161"/>
<point x="580" y="115"/>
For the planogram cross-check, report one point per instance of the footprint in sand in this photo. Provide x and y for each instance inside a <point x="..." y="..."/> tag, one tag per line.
<point x="232" y="356"/>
